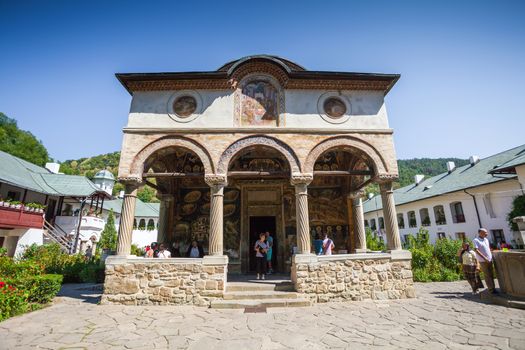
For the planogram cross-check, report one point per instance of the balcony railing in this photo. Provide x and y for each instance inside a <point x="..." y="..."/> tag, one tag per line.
<point x="20" y="217"/>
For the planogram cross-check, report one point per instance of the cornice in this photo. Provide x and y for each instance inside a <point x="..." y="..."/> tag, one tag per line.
<point x="249" y="131"/>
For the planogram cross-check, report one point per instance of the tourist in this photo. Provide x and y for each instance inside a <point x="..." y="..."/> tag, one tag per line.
<point x="470" y="264"/>
<point x="328" y="245"/>
<point x="89" y="252"/>
<point x="318" y="245"/>
<point x="195" y="250"/>
<point x="484" y="256"/>
<point x="163" y="252"/>
<point x="152" y="252"/>
<point x="269" y="241"/>
<point x="261" y="247"/>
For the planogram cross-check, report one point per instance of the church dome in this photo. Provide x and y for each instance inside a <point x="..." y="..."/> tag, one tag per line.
<point x="104" y="174"/>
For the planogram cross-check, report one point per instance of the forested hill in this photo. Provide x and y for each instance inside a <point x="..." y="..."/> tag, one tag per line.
<point x="424" y="166"/>
<point x="407" y="167"/>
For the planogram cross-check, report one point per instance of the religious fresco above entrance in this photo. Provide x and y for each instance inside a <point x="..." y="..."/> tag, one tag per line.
<point x="259" y="104"/>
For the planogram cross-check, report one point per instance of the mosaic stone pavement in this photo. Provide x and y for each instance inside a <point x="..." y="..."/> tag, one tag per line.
<point x="443" y="316"/>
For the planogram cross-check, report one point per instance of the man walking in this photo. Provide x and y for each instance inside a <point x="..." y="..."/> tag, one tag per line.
<point x="484" y="256"/>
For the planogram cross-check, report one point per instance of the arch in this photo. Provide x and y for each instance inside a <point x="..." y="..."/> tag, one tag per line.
<point x="379" y="164"/>
<point x="137" y="165"/>
<point x="258" y="140"/>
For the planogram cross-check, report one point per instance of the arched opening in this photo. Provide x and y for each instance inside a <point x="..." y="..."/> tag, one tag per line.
<point x="338" y="172"/>
<point x="177" y="175"/>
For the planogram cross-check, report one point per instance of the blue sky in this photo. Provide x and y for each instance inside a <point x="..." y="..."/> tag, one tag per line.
<point x="462" y="64"/>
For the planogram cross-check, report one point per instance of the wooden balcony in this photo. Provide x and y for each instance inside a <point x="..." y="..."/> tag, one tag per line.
<point x="20" y="218"/>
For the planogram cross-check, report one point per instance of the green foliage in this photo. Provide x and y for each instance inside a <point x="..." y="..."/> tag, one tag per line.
<point x="12" y="301"/>
<point x="10" y="268"/>
<point x="108" y="237"/>
<point x="147" y="194"/>
<point x="93" y="272"/>
<point x="408" y="168"/>
<point x="445" y="250"/>
<point x="40" y="288"/>
<point x="91" y="165"/>
<point x="21" y="143"/>
<point x="137" y="251"/>
<point x="373" y="242"/>
<point x="518" y="209"/>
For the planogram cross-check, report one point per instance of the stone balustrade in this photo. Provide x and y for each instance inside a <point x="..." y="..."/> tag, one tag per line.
<point x="178" y="281"/>
<point x="346" y="277"/>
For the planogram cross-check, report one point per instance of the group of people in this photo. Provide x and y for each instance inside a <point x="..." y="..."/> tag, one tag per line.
<point x="323" y="246"/>
<point x="156" y="250"/>
<point x="474" y="259"/>
<point x="263" y="254"/>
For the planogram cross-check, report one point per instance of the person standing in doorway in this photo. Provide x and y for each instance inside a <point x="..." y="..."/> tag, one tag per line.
<point x="261" y="247"/>
<point x="328" y="245"/>
<point x="269" y="241"/>
<point x="484" y="256"/>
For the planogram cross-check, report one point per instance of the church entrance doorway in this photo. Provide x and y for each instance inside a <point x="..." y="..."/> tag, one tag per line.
<point x="259" y="224"/>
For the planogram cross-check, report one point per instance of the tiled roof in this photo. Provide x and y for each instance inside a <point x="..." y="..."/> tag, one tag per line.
<point x="141" y="209"/>
<point x="20" y="173"/>
<point x="510" y="164"/>
<point x="461" y="178"/>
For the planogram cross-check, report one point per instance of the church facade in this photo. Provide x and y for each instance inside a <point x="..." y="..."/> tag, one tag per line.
<point x="261" y="144"/>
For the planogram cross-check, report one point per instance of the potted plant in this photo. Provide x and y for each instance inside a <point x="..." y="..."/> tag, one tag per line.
<point x="16" y="204"/>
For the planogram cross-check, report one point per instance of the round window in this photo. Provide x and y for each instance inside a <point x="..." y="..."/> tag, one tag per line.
<point x="334" y="107"/>
<point x="184" y="106"/>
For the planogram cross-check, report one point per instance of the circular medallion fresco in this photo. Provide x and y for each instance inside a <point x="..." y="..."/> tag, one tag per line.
<point x="334" y="107"/>
<point x="184" y="106"/>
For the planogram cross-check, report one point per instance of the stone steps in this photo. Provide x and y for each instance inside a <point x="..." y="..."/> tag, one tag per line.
<point x="260" y="294"/>
<point x="241" y="304"/>
<point x="259" y="286"/>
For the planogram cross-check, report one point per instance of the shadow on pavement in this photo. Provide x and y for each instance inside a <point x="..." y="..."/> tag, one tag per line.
<point x="73" y="293"/>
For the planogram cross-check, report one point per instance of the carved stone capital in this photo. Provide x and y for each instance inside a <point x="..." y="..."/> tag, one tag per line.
<point x="130" y="180"/>
<point x="386" y="178"/>
<point x="356" y="194"/>
<point x="216" y="180"/>
<point x="301" y="179"/>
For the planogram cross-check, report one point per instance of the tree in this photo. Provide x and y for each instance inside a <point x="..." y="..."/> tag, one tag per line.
<point x="20" y="143"/>
<point x="108" y="237"/>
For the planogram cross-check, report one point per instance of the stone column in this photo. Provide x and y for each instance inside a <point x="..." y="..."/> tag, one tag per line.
<point x="217" y="184"/>
<point x="390" y="217"/>
<point x="301" y="182"/>
<point x="126" y="219"/>
<point x="166" y="201"/>
<point x="358" y="219"/>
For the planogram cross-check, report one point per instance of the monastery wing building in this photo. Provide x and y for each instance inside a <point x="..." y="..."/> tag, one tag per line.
<point x="261" y="144"/>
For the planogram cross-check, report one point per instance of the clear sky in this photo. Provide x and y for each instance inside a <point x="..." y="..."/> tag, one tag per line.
<point x="462" y="64"/>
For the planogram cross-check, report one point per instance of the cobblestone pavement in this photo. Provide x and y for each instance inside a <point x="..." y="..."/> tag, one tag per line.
<point x="443" y="316"/>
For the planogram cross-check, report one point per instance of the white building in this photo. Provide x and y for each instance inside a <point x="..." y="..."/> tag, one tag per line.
<point x="457" y="203"/>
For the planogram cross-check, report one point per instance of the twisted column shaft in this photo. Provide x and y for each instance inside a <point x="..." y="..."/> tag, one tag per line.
<point x="359" y="224"/>
<point x="301" y="183"/>
<point x="126" y="220"/>
<point x="217" y="184"/>
<point x="390" y="217"/>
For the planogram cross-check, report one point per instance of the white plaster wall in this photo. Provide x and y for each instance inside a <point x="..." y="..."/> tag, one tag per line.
<point x="501" y="196"/>
<point x="31" y="236"/>
<point x="520" y="170"/>
<point x="143" y="238"/>
<point x="149" y="109"/>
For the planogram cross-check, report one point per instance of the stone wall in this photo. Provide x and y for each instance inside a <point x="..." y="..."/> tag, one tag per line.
<point x="139" y="281"/>
<point x="377" y="276"/>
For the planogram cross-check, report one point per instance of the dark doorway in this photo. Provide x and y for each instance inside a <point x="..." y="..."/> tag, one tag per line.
<point x="259" y="224"/>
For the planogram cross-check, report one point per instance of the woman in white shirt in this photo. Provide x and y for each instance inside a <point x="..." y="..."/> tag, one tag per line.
<point x="470" y="267"/>
<point x="163" y="253"/>
<point x="261" y="248"/>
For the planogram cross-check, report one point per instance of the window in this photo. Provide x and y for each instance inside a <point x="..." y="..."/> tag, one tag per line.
<point x="366" y="223"/>
<point x="13" y="195"/>
<point x="381" y="223"/>
<point x="498" y="236"/>
<point x="439" y="214"/>
<point x="151" y="225"/>
<point x="412" y="219"/>
<point x="134" y="224"/>
<point x="441" y="235"/>
<point x="460" y="235"/>
<point x="425" y="218"/>
<point x="400" y="220"/>
<point x="373" y="224"/>
<point x="457" y="212"/>
<point x="406" y="238"/>
<point x="142" y="224"/>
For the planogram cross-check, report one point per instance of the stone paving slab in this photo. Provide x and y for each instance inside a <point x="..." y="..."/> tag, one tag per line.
<point x="443" y="316"/>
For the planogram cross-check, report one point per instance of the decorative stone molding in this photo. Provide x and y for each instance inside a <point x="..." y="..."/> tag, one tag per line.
<point x="386" y="178"/>
<point x="130" y="180"/>
<point x="299" y="178"/>
<point x="368" y="151"/>
<point x="330" y="119"/>
<point x="257" y="140"/>
<point x="266" y="68"/>
<point x="356" y="194"/>
<point x="216" y="180"/>
<point x="137" y="166"/>
<point x="184" y="119"/>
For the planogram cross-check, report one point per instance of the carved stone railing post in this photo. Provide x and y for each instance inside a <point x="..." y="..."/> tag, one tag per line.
<point x="166" y="202"/>
<point x="217" y="184"/>
<point x="127" y="216"/>
<point x="358" y="222"/>
<point x="301" y="182"/>
<point x="389" y="212"/>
